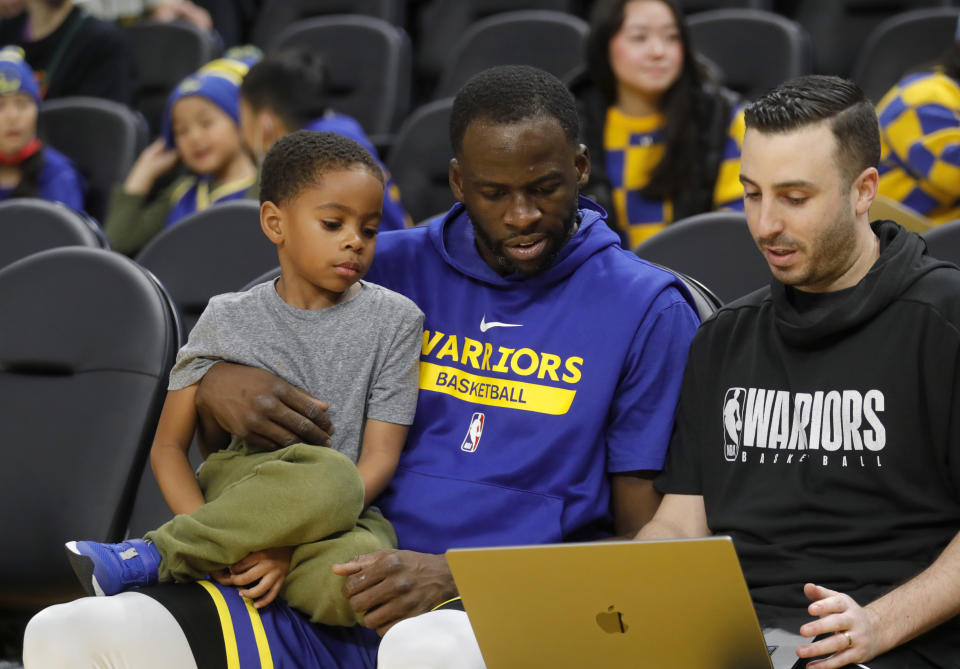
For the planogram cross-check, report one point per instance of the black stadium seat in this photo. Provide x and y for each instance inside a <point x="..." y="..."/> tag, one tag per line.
<point x="552" y="41"/>
<point x="165" y="53"/>
<point x="714" y="248"/>
<point x="275" y="15"/>
<point x="420" y="159"/>
<point x="28" y="225"/>
<point x="440" y="25"/>
<point x="900" y="44"/>
<point x="207" y="253"/>
<point x="838" y="28"/>
<point x="755" y="49"/>
<point x="101" y="137"/>
<point x="369" y="63"/>
<point x="943" y="241"/>
<point x="88" y="341"/>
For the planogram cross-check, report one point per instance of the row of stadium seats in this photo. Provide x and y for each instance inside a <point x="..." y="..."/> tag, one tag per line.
<point x="436" y="25"/>
<point x="223" y="249"/>
<point x="369" y="60"/>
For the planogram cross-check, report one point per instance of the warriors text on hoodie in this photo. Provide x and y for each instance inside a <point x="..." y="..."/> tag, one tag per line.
<point x="533" y="390"/>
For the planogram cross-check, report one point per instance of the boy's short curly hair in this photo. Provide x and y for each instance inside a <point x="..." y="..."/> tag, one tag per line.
<point x="302" y="158"/>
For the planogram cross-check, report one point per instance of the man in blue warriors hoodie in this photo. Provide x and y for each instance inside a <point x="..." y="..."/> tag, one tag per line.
<point x="818" y="422"/>
<point x="551" y="364"/>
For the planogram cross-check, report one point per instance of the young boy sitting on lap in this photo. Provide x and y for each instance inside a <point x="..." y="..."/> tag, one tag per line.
<point x="354" y="344"/>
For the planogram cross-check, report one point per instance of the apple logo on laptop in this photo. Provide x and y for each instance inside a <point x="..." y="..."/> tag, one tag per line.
<point x="611" y="621"/>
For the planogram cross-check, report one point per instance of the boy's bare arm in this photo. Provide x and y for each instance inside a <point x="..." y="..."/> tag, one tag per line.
<point x="168" y="456"/>
<point x="379" y="455"/>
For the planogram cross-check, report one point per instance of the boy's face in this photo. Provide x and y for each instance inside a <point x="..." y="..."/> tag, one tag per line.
<point x="18" y="121"/>
<point x="326" y="236"/>
<point x="207" y="139"/>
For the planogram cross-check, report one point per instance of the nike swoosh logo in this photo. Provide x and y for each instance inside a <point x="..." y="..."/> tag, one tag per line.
<point x="484" y="325"/>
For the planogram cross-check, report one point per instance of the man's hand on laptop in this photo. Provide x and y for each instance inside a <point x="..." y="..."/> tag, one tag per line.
<point x="853" y="634"/>
<point x="393" y="585"/>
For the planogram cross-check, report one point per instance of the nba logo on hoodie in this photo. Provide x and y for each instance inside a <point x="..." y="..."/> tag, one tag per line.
<point x="474" y="432"/>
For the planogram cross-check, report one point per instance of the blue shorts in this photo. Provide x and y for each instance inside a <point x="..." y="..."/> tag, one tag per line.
<point x="225" y="631"/>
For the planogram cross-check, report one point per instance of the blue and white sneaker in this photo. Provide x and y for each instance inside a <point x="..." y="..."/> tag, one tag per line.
<point x="106" y="569"/>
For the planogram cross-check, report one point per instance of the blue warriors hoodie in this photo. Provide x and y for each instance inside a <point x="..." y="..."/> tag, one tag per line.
<point x="533" y="389"/>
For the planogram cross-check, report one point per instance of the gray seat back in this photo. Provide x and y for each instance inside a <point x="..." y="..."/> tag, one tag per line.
<point x="28" y="225"/>
<point x="943" y="241"/>
<point x="755" y="49"/>
<point x="207" y="253"/>
<point x="369" y="63"/>
<point x="103" y="139"/>
<point x="87" y="342"/>
<point x="552" y="41"/>
<point x="714" y="248"/>
<point x="900" y="44"/>
<point x="419" y="160"/>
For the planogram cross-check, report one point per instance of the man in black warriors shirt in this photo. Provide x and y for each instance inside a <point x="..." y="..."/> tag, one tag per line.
<point x="818" y="424"/>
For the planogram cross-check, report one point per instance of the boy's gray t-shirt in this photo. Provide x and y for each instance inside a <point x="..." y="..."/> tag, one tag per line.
<point x="361" y="356"/>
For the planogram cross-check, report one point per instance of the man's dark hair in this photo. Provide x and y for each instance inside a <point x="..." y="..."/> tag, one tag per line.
<point x="291" y="83"/>
<point x="512" y="93"/>
<point x="811" y="99"/>
<point x="300" y="160"/>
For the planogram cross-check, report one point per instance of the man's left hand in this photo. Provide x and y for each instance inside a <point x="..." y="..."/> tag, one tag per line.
<point x="853" y="634"/>
<point x="393" y="585"/>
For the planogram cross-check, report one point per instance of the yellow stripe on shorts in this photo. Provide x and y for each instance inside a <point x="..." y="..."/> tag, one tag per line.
<point x="229" y="638"/>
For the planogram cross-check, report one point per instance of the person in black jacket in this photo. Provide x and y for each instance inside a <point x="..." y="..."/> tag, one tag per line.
<point x="72" y="52"/>
<point x="817" y="423"/>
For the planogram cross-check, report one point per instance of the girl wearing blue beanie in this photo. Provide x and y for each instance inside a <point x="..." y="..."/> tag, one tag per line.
<point x="28" y="168"/>
<point x="201" y="131"/>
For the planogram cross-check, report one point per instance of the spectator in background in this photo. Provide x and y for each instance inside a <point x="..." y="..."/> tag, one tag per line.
<point x="665" y="141"/>
<point x="286" y="91"/>
<point x="27" y="167"/>
<point x="920" y="129"/>
<point x="201" y="129"/>
<point x="158" y="10"/>
<point x="71" y="52"/>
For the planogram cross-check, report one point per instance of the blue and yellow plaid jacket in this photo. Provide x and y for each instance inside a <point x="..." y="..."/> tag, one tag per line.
<point x="920" y="159"/>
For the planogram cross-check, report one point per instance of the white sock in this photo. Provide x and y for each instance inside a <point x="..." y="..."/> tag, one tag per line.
<point x="436" y="640"/>
<point x="125" y="631"/>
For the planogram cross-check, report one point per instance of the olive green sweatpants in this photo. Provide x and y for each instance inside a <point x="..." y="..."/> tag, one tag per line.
<point x="310" y="497"/>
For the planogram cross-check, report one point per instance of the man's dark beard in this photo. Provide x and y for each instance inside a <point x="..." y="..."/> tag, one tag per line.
<point x="555" y="242"/>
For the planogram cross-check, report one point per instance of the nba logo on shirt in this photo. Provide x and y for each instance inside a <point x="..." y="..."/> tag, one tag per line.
<point x="474" y="432"/>
<point x="732" y="422"/>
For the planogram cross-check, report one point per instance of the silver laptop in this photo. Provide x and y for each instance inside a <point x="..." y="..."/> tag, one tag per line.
<point x="640" y="604"/>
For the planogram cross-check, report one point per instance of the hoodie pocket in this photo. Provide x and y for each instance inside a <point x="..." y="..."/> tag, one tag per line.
<point x="432" y="513"/>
